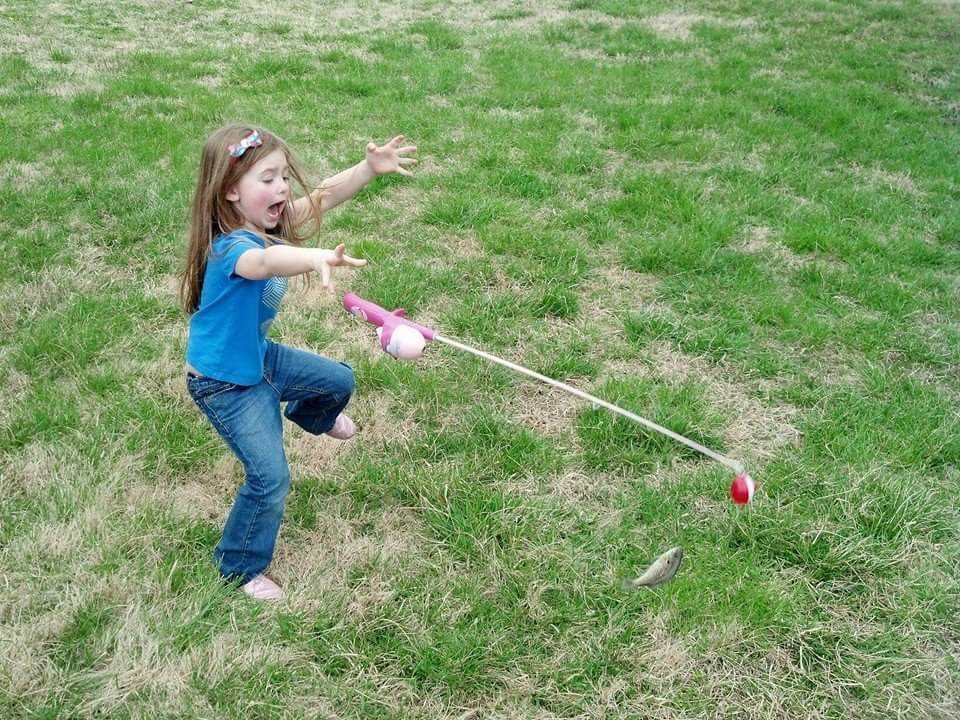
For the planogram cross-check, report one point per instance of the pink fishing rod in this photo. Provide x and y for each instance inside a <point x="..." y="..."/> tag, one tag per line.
<point x="404" y="339"/>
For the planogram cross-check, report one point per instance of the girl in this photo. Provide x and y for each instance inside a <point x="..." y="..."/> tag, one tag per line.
<point x="246" y="238"/>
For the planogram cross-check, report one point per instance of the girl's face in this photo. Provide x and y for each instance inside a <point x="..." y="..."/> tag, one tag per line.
<point x="262" y="194"/>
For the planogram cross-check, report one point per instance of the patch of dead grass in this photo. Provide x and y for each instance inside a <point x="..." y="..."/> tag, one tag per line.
<point x="141" y="665"/>
<point x="515" y="114"/>
<point x="320" y="565"/>
<point x="206" y="496"/>
<point x="674" y="25"/>
<point x="678" y="25"/>
<point x="17" y="386"/>
<point x="664" y="658"/>
<point x="313" y="455"/>
<point x="37" y="466"/>
<point x="615" y="286"/>
<point x="878" y="177"/>
<point x="544" y="409"/>
<point x="763" y="240"/>
<point x="23" y="176"/>
<point x="573" y="486"/>
<point x="165" y="286"/>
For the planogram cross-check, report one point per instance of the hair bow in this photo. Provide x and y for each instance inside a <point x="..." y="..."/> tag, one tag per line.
<point x="251" y="140"/>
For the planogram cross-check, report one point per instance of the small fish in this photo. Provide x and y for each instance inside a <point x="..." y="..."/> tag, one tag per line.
<point x="663" y="568"/>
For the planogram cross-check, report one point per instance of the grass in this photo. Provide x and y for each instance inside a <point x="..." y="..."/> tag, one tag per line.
<point x="741" y="220"/>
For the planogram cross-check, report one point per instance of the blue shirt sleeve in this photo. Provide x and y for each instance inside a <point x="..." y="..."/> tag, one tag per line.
<point x="232" y="247"/>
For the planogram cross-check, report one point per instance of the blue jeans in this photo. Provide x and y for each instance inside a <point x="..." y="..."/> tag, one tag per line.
<point x="247" y="417"/>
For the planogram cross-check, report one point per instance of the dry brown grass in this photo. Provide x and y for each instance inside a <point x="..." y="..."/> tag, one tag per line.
<point x="878" y="178"/>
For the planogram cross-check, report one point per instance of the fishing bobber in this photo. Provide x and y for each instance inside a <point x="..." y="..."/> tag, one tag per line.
<point x="401" y="341"/>
<point x="741" y="489"/>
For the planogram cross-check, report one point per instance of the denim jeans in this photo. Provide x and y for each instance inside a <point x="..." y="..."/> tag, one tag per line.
<point x="247" y="417"/>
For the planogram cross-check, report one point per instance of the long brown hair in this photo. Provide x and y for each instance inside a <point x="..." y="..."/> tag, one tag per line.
<point x="212" y="214"/>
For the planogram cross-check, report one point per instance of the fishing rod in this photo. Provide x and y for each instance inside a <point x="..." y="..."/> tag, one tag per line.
<point x="404" y="339"/>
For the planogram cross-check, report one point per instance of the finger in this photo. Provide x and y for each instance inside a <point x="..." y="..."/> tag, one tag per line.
<point x="408" y="161"/>
<point x="371" y="147"/>
<point x="407" y="149"/>
<point x="338" y="253"/>
<point x="401" y="171"/>
<point x="397" y="140"/>
<point x="325" y="275"/>
<point x="354" y="262"/>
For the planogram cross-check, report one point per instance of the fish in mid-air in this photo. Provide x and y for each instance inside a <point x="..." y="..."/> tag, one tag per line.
<point x="662" y="569"/>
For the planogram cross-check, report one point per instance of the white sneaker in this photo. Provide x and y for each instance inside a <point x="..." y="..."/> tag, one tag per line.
<point x="263" y="588"/>
<point x="343" y="428"/>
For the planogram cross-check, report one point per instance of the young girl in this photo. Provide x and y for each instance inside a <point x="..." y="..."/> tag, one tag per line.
<point x="246" y="238"/>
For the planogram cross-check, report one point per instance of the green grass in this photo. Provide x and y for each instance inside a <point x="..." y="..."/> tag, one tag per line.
<point x="741" y="220"/>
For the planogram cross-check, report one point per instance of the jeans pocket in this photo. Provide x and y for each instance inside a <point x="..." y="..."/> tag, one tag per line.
<point x="204" y="388"/>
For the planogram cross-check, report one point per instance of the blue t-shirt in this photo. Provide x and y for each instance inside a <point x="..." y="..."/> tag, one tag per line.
<point x="228" y="332"/>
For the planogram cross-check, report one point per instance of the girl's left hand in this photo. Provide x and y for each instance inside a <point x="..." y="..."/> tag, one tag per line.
<point x="391" y="157"/>
<point x="329" y="259"/>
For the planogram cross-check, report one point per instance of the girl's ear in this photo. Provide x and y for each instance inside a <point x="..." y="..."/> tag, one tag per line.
<point x="232" y="195"/>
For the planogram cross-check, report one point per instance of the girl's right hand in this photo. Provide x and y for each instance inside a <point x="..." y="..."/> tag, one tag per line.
<point x="329" y="259"/>
<point x="391" y="157"/>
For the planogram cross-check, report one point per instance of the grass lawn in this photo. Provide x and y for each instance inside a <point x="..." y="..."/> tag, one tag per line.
<point x="739" y="219"/>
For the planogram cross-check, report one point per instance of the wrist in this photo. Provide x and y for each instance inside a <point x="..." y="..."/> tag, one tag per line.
<point x="369" y="173"/>
<point x="317" y="258"/>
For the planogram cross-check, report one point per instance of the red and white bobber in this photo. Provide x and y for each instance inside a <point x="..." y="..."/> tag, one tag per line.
<point x="742" y="488"/>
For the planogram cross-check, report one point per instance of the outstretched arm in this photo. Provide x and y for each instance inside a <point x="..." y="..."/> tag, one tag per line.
<point x="388" y="158"/>
<point x="286" y="260"/>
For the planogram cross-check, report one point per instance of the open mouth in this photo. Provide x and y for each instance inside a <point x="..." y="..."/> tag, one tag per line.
<point x="274" y="211"/>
